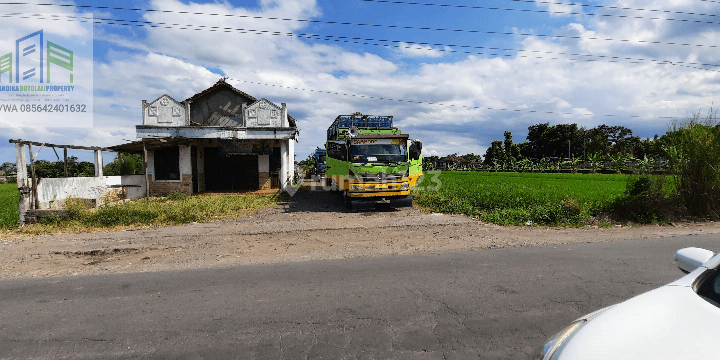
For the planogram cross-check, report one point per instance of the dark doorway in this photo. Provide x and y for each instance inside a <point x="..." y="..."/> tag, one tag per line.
<point x="230" y="173"/>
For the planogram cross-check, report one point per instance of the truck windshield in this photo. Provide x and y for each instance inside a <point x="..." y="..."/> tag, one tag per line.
<point x="378" y="153"/>
<point x="321" y="159"/>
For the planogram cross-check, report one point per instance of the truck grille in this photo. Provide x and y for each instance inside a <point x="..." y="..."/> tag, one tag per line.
<point x="380" y="177"/>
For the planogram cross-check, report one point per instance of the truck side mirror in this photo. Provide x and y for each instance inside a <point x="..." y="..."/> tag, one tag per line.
<point x="415" y="149"/>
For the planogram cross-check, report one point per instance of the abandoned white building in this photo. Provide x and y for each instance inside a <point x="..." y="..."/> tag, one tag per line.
<point x="218" y="140"/>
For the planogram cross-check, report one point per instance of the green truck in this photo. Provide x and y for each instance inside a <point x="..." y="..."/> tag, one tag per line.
<point x="369" y="160"/>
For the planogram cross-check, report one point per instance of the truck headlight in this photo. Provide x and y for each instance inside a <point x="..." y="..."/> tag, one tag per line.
<point x="547" y="350"/>
<point x="356" y="187"/>
<point x="404" y="186"/>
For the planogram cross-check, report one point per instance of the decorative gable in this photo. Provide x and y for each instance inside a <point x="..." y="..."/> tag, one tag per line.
<point x="264" y="113"/>
<point x="164" y="111"/>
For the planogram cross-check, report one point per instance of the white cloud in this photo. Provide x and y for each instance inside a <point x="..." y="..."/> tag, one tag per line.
<point x="556" y="8"/>
<point x="545" y="83"/>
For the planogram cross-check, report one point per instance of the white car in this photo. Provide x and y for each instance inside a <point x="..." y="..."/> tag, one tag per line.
<point x="680" y="320"/>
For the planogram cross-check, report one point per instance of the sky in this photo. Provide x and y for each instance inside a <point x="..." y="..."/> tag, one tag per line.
<point x="455" y="74"/>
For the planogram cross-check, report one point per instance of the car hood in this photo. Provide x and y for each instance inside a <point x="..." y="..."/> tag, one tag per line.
<point x="671" y="322"/>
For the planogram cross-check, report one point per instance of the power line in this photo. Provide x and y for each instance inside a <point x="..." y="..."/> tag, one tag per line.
<point x="372" y="25"/>
<point x="436" y="103"/>
<point x="363" y="41"/>
<point x="406" y="3"/>
<point x="55" y="17"/>
<point x="556" y="12"/>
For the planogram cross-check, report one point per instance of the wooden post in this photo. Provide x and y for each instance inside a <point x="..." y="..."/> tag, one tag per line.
<point x="21" y="167"/>
<point x="35" y="203"/>
<point x="65" y="155"/>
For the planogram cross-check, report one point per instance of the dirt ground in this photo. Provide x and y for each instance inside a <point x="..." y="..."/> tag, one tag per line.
<point x="312" y="225"/>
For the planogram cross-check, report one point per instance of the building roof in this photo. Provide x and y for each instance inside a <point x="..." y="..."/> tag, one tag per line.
<point x="219" y="84"/>
<point x="224" y="84"/>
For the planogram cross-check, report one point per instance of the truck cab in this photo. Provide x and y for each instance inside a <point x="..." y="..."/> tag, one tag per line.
<point x="320" y="165"/>
<point x="370" y="160"/>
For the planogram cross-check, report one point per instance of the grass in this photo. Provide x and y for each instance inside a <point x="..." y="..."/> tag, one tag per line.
<point x="521" y="198"/>
<point x="9" y="197"/>
<point x="153" y="212"/>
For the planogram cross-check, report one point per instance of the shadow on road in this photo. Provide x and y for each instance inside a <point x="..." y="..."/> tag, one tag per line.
<point x="313" y="197"/>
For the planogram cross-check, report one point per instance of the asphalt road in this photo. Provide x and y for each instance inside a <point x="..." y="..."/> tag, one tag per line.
<point x="490" y="304"/>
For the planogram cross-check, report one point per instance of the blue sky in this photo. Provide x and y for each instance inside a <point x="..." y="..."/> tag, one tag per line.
<point x="521" y="78"/>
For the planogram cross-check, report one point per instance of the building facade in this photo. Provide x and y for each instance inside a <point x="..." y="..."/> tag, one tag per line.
<point x="218" y="140"/>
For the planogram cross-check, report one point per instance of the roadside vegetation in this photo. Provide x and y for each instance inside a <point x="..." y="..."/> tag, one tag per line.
<point x="175" y="209"/>
<point x="521" y="198"/>
<point x="558" y="176"/>
<point x="9" y="197"/>
<point x="691" y="189"/>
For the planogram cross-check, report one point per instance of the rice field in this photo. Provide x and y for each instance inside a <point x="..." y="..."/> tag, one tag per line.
<point x="9" y="197"/>
<point x="520" y="198"/>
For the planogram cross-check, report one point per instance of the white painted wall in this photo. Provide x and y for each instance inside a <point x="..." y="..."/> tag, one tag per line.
<point x="263" y="163"/>
<point x="57" y="189"/>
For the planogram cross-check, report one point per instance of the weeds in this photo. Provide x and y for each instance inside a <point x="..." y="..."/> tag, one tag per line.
<point x="692" y="191"/>
<point x="162" y="211"/>
<point x="693" y="151"/>
<point x="649" y="199"/>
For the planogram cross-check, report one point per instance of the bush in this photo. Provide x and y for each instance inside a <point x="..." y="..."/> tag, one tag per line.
<point x="693" y="151"/>
<point x="649" y="199"/>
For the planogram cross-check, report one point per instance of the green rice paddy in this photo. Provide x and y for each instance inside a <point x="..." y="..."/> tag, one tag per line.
<point x="520" y="198"/>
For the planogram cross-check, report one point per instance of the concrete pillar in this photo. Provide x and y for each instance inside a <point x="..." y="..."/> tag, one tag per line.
<point x="185" y="161"/>
<point x="283" y="163"/>
<point x="21" y="165"/>
<point x="150" y="160"/>
<point x="291" y="159"/>
<point x="98" y="163"/>
<point x="285" y="122"/>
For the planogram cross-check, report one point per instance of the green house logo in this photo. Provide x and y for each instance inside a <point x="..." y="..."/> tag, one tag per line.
<point x="31" y="54"/>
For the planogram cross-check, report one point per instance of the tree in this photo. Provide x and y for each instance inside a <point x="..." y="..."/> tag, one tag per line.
<point x="552" y="141"/>
<point x="309" y="162"/>
<point x="48" y="169"/>
<point x="8" y="168"/>
<point x="428" y="162"/>
<point x="512" y="151"/>
<point x="495" y="154"/>
<point x="125" y="164"/>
